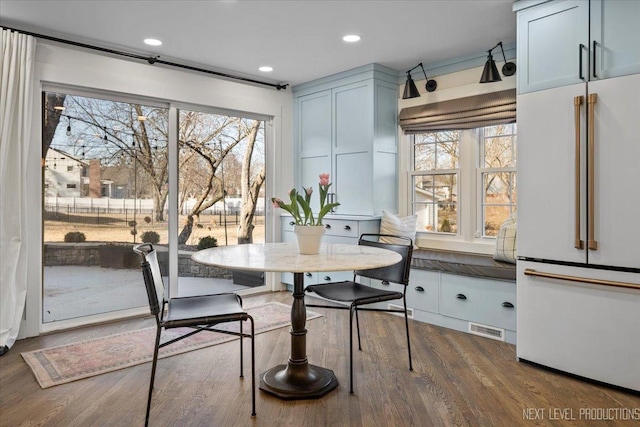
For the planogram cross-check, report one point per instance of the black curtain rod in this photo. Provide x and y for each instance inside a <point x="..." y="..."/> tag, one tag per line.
<point x="150" y="59"/>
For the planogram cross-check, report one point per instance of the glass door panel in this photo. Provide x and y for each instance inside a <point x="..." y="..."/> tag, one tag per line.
<point x="105" y="188"/>
<point x="221" y="202"/>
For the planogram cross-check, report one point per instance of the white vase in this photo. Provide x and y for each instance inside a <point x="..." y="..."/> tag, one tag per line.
<point x="309" y="238"/>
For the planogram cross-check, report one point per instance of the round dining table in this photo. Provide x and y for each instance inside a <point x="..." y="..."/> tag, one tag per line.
<point x="297" y="379"/>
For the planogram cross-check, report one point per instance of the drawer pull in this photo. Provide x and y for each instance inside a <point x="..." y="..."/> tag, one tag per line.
<point x="419" y="289"/>
<point x="327" y="226"/>
<point x="308" y="274"/>
<point x="347" y="227"/>
<point x="507" y="304"/>
<point x="327" y="278"/>
<point x="461" y="296"/>
<point x="292" y="223"/>
<point x="385" y="282"/>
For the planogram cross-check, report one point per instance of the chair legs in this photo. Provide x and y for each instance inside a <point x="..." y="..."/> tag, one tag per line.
<point x="353" y="310"/>
<point x="406" y="324"/>
<point x="253" y="368"/>
<point x="358" y="328"/>
<point x="153" y="374"/>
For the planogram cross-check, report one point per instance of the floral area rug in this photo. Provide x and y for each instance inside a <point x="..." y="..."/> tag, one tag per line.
<point x="62" y="364"/>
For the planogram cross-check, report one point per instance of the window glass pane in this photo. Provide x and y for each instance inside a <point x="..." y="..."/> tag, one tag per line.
<point x="105" y="188"/>
<point x="221" y="202"/>
<point x="436" y="151"/>
<point x="493" y="217"/>
<point x="424" y="157"/>
<point x="435" y="203"/>
<point x="499" y="147"/>
<point x="447" y="218"/>
<point x="498" y="200"/>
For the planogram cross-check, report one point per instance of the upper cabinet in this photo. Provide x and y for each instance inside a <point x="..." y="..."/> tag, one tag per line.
<point x="347" y="125"/>
<point x="570" y="41"/>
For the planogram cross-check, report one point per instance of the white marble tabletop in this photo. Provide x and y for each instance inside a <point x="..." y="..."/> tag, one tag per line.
<point x="284" y="257"/>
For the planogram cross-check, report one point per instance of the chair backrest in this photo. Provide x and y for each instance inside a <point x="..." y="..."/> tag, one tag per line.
<point x="397" y="273"/>
<point x="152" y="276"/>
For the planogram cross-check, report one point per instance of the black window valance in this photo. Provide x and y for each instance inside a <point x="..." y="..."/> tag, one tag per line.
<point x="463" y="113"/>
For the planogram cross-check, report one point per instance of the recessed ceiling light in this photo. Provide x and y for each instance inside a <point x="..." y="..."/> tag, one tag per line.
<point x="266" y="69"/>
<point x="351" y="38"/>
<point x="153" y="42"/>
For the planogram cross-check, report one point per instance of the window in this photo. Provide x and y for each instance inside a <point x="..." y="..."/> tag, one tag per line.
<point x="435" y="181"/>
<point x="497" y="175"/>
<point x="484" y="160"/>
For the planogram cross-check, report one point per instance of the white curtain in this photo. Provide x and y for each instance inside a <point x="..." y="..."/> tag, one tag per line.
<point x="16" y="74"/>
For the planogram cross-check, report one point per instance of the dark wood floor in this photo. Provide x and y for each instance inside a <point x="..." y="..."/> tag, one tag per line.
<point x="458" y="380"/>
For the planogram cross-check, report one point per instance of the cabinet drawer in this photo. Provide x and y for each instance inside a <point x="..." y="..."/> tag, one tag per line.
<point x="287" y="224"/>
<point x="423" y="292"/>
<point x="484" y="301"/>
<point x="309" y="278"/>
<point x="334" y="276"/>
<point x="341" y="228"/>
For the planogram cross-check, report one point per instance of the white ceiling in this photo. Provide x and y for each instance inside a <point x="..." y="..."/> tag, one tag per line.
<point x="301" y="40"/>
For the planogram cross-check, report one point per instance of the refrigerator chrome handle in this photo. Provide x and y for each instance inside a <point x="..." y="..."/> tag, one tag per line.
<point x="577" y="102"/>
<point x="532" y="272"/>
<point x="592" y="243"/>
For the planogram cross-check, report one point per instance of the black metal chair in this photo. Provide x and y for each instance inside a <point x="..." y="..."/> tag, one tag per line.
<point x="201" y="313"/>
<point x="358" y="295"/>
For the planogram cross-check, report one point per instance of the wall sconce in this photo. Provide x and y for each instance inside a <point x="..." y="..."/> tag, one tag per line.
<point x="490" y="73"/>
<point x="410" y="89"/>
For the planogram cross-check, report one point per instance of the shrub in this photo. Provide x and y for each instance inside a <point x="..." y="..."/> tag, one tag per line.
<point x="147" y="219"/>
<point x="150" y="237"/>
<point x="207" y="242"/>
<point x="75" y="237"/>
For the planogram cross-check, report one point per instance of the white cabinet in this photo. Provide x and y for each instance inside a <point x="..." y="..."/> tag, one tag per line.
<point x="347" y="125"/>
<point x="482" y="306"/>
<point x="568" y="41"/>
<point x="487" y="302"/>
<point x="338" y="229"/>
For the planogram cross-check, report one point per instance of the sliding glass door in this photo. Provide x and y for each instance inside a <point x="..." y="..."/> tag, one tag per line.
<point x="106" y="187"/>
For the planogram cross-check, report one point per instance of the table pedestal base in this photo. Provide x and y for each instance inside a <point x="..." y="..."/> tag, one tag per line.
<point x="298" y="381"/>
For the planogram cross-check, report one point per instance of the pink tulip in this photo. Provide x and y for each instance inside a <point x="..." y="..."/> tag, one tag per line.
<point x="309" y="191"/>
<point x="276" y="202"/>
<point x="324" y="179"/>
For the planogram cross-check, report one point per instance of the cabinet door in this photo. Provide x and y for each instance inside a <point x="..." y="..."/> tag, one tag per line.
<point x="615" y="38"/>
<point x="616" y="171"/>
<point x="314" y="136"/>
<point x="549" y="45"/>
<point x="547" y="175"/>
<point x="352" y="150"/>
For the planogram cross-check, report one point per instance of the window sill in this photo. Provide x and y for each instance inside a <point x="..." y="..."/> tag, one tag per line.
<point x="478" y="246"/>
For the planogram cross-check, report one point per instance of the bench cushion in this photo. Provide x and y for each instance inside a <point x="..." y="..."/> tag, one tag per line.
<point x="468" y="264"/>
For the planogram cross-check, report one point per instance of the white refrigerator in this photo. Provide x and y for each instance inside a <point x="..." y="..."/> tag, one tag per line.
<point x="578" y="280"/>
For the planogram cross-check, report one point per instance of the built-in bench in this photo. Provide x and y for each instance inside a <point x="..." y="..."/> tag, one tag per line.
<point x="463" y="263"/>
<point x="464" y="291"/>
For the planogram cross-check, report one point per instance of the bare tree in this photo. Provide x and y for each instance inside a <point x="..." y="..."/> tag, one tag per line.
<point x="250" y="188"/>
<point x="51" y="118"/>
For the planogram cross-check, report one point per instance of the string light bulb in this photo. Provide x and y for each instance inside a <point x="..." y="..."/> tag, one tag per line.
<point x="69" y="127"/>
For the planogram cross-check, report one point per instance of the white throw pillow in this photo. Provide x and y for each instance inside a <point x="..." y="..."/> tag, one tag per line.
<point x="506" y="242"/>
<point x="398" y="226"/>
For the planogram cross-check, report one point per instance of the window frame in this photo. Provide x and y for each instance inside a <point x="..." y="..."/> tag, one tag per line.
<point x="470" y="193"/>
